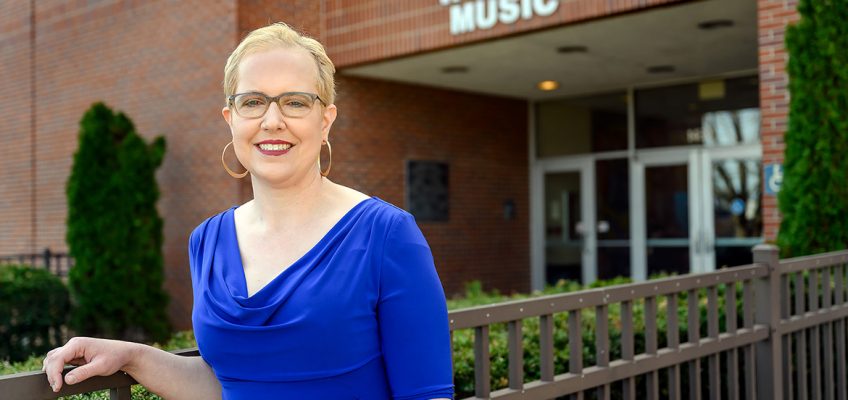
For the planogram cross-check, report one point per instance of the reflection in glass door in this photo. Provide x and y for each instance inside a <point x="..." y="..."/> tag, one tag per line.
<point x="736" y="197"/>
<point x="563" y="227"/>
<point x="667" y="218"/>
<point x="613" y="216"/>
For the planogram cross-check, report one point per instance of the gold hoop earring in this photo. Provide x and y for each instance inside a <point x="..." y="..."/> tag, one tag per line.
<point x="330" y="164"/>
<point x="229" y="171"/>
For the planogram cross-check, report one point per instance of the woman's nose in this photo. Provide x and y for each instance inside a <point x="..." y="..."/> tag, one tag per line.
<point x="273" y="119"/>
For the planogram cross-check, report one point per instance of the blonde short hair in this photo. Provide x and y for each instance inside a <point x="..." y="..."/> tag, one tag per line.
<point x="281" y="35"/>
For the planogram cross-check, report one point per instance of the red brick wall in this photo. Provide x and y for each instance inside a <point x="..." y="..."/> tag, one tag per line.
<point x="160" y="63"/>
<point x="303" y="15"/>
<point x="16" y="212"/>
<point x="358" y="31"/>
<point x="773" y="16"/>
<point x="484" y="141"/>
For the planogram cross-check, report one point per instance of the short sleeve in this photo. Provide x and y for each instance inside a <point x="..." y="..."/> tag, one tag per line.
<point x="412" y="312"/>
<point x="195" y="249"/>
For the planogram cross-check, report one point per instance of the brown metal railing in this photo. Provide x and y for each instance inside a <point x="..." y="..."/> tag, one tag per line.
<point x="809" y="357"/>
<point x="34" y="386"/>
<point x="790" y="345"/>
<point x="606" y="372"/>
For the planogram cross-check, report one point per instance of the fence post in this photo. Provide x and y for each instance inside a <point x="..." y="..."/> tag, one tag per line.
<point x="47" y="260"/>
<point x="769" y="360"/>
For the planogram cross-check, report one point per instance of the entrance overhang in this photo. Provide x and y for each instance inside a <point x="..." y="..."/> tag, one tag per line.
<point x="679" y="42"/>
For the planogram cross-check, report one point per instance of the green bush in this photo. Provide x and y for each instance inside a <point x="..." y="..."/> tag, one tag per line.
<point x="33" y="308"/>
<point x="115" y="232"/>
<point x="463" y="340"/>
<point x="814" y="196"/>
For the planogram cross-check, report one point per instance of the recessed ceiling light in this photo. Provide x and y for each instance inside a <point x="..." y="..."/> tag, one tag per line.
<point x="660" y="69"/>
<point x="572" y="49"/>
<point x="455" y="69"/>
<point x="547" y="85"/>
<point x="715" y="24"/>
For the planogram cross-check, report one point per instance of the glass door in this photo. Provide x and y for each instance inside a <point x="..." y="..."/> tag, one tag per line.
<point x="569" y="227"/>
<point x="665" y="198"/>
<point x="733" y="186"/>
<point x="695" y="209"/>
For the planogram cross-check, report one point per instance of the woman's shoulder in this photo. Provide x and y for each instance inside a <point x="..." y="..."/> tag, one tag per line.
<point x="209" y="225"/>
<point x="385" y="213"/>
<point x="381" y="211"/>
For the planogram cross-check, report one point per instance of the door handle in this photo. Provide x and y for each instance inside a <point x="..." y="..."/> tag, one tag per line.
<point x="699" y="243"/>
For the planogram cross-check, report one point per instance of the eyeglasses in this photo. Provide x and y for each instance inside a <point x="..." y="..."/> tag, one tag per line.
<point x="255" y="104"/>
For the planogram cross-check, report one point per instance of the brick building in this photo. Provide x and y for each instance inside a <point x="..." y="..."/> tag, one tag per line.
<point x="650" y="152"/>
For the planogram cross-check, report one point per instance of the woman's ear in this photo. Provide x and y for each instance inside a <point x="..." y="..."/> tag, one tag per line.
<point x="327" y="123"/>
<point x="228" y="116"/>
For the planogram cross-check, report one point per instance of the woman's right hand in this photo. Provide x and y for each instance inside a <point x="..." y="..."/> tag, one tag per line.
<point x="95" y="357"/>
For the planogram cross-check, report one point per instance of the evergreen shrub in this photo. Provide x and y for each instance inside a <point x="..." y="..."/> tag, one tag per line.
<point x="813" y="198"/>
<point x="115" y="232"/>
<point x="34" y="306"/>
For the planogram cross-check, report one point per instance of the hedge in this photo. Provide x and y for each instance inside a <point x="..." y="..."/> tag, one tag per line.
<point x="34" y="306"/>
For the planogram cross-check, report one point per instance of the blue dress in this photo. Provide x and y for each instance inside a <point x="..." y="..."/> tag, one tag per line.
<point x="361" y="315"/>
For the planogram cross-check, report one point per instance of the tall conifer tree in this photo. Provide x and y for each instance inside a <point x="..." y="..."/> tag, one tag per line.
<point x="115" y="232"/>
<point x="814" y="195"/>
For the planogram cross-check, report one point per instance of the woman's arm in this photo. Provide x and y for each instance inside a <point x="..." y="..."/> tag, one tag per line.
<point x="168" y="375"/>
<point x="413" y="316"/>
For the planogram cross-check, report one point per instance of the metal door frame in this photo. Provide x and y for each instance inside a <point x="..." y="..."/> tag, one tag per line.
<point x="585" y="166"/>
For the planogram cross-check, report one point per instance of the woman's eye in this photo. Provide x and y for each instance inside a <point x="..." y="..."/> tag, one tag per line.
<point x="295" y="104"/>
<point x="252" y="103"/>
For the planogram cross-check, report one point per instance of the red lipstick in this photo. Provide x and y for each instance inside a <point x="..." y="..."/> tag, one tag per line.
<point x="274" y="147"/>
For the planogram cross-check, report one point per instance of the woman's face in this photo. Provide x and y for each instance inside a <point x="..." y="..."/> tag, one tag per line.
<point x="273" y="72"/>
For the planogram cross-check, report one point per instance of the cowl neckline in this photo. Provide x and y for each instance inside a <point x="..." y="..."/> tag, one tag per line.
<point x="231" y="300"/>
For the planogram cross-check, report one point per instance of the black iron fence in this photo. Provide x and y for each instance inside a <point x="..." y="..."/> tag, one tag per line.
<point x="56" y="262"/>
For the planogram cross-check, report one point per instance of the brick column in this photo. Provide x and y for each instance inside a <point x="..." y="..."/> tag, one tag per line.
<point x="773" y="17"/>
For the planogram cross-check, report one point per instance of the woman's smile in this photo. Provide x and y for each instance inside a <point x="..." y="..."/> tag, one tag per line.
<point x="273" y="147"/>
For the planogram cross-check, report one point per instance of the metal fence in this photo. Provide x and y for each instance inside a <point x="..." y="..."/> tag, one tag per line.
<point x="57" y="263"/>
<point x="782" y="337"/>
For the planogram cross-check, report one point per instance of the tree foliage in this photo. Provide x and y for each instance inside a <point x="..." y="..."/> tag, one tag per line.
<point x="115" y="232"/>
<point x="814" y="194"/>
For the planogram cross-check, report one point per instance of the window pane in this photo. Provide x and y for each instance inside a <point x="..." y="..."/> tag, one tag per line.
<point x="582" y="125"/>
<point x="613" y="227"/>
<point x="711" y="113"/>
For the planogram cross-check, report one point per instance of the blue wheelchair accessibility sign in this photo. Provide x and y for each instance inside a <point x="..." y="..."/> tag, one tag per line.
<point x="773" y="178"/>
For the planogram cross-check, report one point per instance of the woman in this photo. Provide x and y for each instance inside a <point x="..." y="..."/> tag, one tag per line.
<point x="311" y="290"/>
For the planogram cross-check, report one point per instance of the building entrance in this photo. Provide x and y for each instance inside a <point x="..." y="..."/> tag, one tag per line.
<point x="660" y="180"/>
<point x="670" y="211"/>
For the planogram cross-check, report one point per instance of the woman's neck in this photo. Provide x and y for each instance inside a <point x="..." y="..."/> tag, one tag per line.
<point x="276" y="208"/>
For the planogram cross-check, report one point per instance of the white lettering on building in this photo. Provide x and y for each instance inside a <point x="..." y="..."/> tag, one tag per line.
<point x="472" y="15"/>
